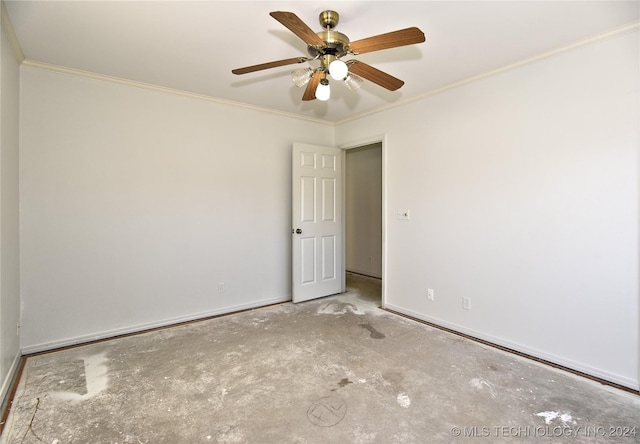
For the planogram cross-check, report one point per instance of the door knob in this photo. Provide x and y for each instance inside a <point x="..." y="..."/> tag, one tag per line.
<point x="298" y="231"/>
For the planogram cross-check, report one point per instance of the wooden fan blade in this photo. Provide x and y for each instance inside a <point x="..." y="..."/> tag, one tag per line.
<point x="393" y="39"/>
<point x="375" y="75"/>
<point x="310" y="92"/>
<point x="298" y="27"/>
<point x="275" y="64"/>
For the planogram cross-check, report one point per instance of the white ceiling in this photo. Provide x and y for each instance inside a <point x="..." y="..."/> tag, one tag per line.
<point x="194" y="45"/>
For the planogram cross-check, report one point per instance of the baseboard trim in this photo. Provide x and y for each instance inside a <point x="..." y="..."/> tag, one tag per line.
<point x="10" y="386"/>
<point x="364" y="274"/>
<point x="144" y="328"/>
<point x="577" y="369"/>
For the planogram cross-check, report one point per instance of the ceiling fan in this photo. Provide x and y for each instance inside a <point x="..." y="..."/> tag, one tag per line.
<point x="329" y="46"/>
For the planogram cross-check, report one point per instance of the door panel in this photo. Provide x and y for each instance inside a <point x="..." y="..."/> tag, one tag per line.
<point x="307" y="202"/>
<point x="328" y="257"/>
<point x="317" y="221"/>
<point x="308" y="257"/>
<point x="328" y="200"/>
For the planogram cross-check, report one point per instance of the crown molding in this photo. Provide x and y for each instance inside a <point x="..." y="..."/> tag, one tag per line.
<point x="7" y="27"/>
<point x="6" y="23"/>
<point x="625" y="29"/>
<point x="148" y="86"/>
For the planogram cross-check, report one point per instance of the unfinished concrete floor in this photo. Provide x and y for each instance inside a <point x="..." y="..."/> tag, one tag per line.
<point x="335" y="370"/>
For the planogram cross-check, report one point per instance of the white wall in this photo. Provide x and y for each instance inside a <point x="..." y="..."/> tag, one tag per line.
<point x="523" y="192"/>
<point x="9" y="216"/>
<point x="363" y="210"/>
<point x="135" y="204"/>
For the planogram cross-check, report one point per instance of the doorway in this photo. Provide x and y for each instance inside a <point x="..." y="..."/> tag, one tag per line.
<point x="363" y="216"/>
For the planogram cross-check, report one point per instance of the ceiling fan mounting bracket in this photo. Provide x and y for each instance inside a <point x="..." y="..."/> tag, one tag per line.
<point x="329" y="19"/>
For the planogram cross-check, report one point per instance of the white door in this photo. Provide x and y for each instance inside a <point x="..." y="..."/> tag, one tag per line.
<point x="317" y="221"/>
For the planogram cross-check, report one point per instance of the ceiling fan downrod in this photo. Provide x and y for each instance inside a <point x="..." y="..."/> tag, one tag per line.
<point x="335" y="43"/>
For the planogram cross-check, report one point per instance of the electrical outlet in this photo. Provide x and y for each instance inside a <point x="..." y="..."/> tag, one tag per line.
<point x="466" y="303"/>
<point x="430" y="294"/>
<point x="220" y="287"/>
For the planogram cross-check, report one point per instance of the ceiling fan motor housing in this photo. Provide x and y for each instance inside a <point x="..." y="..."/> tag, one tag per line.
<point x="335" y="43"/>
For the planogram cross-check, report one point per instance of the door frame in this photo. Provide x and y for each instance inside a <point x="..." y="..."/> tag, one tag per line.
<point x="357" y="143"/>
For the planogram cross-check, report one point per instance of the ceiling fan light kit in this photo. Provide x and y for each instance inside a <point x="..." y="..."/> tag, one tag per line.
<point x="328" y="46"/>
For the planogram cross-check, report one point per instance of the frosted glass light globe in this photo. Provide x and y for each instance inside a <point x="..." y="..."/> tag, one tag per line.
<point x="353" y="82"/>
<point x="323" y="91"/>
<point x="301" y="76"/>
<point x="338" y="69"/>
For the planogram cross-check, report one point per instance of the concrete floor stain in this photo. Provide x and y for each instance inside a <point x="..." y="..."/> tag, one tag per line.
<point x="375" y="334"/>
